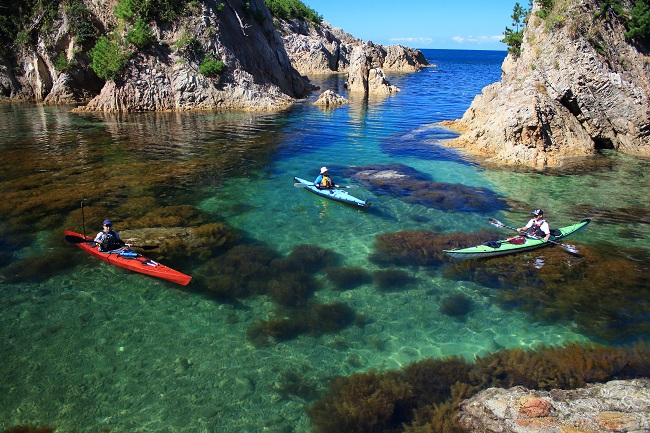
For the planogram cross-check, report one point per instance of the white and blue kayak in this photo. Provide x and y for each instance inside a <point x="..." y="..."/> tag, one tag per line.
<point x="337" y="194"/>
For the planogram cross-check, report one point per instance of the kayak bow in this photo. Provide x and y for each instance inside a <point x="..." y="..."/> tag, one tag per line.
<point x="127" y="259"/>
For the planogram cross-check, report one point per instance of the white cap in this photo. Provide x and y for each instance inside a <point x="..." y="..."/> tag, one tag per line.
<point x="323" y="170"/>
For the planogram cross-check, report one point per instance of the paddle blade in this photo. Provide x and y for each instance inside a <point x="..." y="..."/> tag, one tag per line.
<point x="350" y="186"/>
<point x="300" y="185"/>
<point x="570" y="248"/>
<point x="495" y="223"/>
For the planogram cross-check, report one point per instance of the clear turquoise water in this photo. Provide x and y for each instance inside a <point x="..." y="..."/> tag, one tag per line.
<point x="93" y="347"/>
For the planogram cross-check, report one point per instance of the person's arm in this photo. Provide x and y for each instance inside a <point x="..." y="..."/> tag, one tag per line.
<point x="526" y="227"/>
<point x="318" y="180"/>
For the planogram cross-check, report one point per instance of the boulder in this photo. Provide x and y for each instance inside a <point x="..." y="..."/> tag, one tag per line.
<point x="616" y="406"/>
<point x="330" y="99"/>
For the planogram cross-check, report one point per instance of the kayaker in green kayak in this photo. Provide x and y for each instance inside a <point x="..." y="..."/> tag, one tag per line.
<point x="537" y="226"/>
<point x="323" y="181"/>
<point x="108" y="239"/>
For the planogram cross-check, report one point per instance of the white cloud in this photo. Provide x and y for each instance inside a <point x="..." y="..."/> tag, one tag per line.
<point x="477" y="39"/>
<point x="412" y="41"/>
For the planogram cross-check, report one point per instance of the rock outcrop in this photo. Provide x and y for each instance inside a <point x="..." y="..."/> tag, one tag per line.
<point x="324" y="49"/>
<point x="616" y="406"/>
<point x="578" y="87"/>
<point x="258" y="73"/>
<point x="330" y="99"/>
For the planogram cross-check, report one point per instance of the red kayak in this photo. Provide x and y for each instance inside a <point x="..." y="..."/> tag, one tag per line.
<point x="127" y="259"/>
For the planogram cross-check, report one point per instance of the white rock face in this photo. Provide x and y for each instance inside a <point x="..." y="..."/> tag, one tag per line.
<point x="564" y="97"/>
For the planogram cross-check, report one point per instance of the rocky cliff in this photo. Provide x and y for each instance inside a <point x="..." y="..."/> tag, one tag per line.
<point x="578" y="87"/>
<point x="259" y="73"/>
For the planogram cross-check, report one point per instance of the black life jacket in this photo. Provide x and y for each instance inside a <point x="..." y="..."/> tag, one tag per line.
<point x="536" y="229"/>
<point x="110" y="241"/>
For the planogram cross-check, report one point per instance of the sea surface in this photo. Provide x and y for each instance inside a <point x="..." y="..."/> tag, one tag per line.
<point x="88" y="347"/>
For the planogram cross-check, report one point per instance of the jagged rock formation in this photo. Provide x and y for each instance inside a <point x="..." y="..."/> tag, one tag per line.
<point x="258" y="74"/>
<point x="324" y="49"/>
<point x="366" y="74"/>
<point x="330" y="99"/>
<point x="616" y="406"/>
<point x="321" y="49"/>
<point x="578" y="87"/>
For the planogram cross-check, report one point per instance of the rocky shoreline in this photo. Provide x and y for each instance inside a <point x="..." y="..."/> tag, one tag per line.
<point x="578" y="87"/>
<point x="263" y="71"/>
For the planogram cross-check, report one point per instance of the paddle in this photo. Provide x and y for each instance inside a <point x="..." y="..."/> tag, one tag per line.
<point x="569" y="248"/>
<point x="79" y="240"/>
<point x="304" y="185"/>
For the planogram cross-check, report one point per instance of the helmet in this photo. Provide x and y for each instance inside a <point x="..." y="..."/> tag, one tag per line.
<point x="538" y="212"/>
<point x="323" y="170"/>
<point x="108" y="222"/>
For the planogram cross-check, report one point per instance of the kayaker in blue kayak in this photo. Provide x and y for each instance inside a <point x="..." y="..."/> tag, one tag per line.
<point x="108" y="239"/>
<point x="537" y="226"/>
<point x="323" y="181"/>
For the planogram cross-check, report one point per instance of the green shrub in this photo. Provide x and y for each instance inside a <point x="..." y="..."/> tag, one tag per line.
<point x="108" y="59"/>
<point x="639" y="23"/>
<point x="289" y="9"/>
<point x="80" y="21"/>
<point x="211" y="67"/>
<point x="140" y="35"/>
<point x="159" y="10"/>
<point x="124" y="10"/>
<point x="61" y="63"/>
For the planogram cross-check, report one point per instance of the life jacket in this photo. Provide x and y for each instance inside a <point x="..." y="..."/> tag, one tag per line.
<point x="110" y="241"/>
<point x="536" y="229"/>
<point x="326" y="182"/>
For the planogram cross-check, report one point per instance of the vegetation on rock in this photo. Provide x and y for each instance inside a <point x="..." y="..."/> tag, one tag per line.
<point x="293" y="9"/>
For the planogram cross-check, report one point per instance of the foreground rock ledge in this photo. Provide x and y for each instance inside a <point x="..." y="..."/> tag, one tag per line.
<point x="616" y="406"/>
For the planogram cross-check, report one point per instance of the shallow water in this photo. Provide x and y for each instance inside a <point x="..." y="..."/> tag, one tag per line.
<point x="89" y="347"/>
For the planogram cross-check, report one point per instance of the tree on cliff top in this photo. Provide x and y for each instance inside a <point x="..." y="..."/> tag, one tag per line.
<point x="290" y="9"/>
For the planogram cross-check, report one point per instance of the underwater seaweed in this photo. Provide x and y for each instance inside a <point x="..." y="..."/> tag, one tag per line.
<point x="364" y="402"/>
<point x="388" y="280"/>
<point x="598" y="289"/>
<point x="422" y="247"/>
<point x="411" y="186"/>
<point x="292" y="290"/>
<point x="314" y="319"/>
<point x="423" y="397"/>
<point x="347" y="278"/>
<point x="29" y="429"/>
<point x="456" y="305"/>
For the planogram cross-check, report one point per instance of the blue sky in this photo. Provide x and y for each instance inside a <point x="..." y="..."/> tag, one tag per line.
<point x="451" y="24"/>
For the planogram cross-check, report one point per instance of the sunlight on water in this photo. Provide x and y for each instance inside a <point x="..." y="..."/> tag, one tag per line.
<point x="88" y="346"/>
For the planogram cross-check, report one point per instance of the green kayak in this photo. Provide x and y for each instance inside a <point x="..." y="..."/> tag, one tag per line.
<point x="514" y="245"/>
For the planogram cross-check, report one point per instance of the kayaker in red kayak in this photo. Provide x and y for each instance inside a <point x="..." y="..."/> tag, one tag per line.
<point x="537" y="226"/>
<point x="108" y="239"/>
<point x="323" y="181"/>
